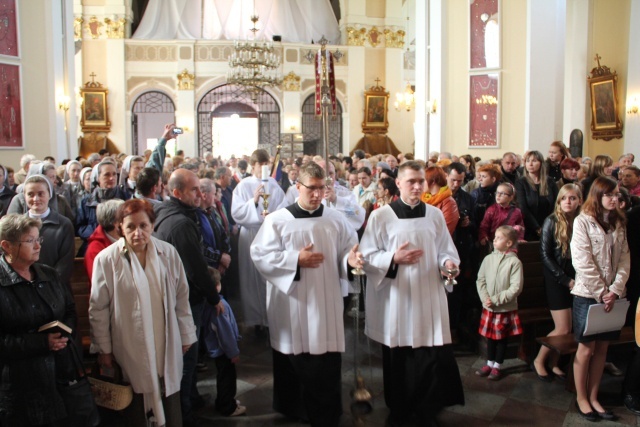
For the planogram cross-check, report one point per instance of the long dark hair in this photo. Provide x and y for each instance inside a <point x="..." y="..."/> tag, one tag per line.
<point x="593" y="205"/>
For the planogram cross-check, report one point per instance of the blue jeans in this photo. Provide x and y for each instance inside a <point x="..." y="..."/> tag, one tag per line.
<point x="188" y="389"/>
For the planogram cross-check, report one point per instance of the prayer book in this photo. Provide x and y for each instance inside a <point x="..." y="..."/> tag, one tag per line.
<point x="55" y="326"/>
<point x="599" y="321"/>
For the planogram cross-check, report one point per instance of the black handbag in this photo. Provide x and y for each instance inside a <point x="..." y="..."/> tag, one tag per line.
<point x="77" y="396"/>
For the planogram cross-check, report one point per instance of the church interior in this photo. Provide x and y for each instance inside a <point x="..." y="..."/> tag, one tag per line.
<point x="478" y="77"/>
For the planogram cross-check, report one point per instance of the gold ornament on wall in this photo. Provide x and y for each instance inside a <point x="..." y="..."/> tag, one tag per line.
<point x="374" y="37"/>
<point x="186" y="80"/>
<point x="291" y="82"/>
<point x="94" y="26"/>
<point x="115" y="27"/>
<point x="394" y="38"/>
<point x="77" y="28"/>
<point x="355" y="37"/>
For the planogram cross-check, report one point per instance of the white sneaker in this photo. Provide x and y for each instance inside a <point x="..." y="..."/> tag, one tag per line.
<point x="240" y="410"/>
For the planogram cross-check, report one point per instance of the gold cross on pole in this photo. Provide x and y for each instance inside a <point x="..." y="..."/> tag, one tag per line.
<point x="377" y="80"/>
<point x="92" y="75"/>
<point x="597" y="58"/>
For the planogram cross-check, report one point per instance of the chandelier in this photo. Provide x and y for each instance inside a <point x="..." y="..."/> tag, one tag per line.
<point x="254" y="64"/>
<point x="405" y="100"/>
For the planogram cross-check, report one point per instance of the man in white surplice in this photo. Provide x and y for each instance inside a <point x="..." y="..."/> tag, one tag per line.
<point x="404" y="245"/>
<point x="303" y="250"/>
<point x="246" y="209"/>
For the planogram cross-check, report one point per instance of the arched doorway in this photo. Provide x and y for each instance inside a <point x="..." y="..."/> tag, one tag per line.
<point x="312" y="129"/>
<point x="151" y="111"/>
<point x="222" y="104"/>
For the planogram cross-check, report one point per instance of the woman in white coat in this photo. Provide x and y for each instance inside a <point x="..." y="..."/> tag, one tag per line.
<point x="600" y="254"/>
<point x="140" y="316"/>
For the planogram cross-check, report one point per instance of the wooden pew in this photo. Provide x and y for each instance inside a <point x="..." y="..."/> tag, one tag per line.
<point x="567" y="345"/>
<point x="81" y="288"/>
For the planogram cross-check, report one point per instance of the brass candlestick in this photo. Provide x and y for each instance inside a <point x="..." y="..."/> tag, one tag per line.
<point x="265" y="203"/>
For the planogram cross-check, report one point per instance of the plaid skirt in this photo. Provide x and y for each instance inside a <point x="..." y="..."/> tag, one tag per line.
<point x="497" y="326"/>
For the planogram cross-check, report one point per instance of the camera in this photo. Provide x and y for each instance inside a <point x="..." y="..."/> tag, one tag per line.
<point x="177" y="131"/>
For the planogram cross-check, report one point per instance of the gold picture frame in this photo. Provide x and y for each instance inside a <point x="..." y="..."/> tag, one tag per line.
<point x="95" y="108"/>
<point x="605" y="113"/>
<point x="376" y="109"/>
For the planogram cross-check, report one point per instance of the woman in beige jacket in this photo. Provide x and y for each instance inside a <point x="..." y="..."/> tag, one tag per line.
<point x="600" y="254"/>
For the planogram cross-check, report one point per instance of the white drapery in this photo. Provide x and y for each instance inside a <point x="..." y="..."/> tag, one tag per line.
<point x="297" y="21"/>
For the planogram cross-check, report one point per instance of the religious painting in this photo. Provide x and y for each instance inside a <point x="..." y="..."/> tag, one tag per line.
<point x="484" y="110"/>
<point x="484" y="34"/>
<point x="376" y="102"/>
<point x="95" y="115"/>
<point x="10" y="107"/>
<point x="605" y="123"/>
<point x="8" y="28"/>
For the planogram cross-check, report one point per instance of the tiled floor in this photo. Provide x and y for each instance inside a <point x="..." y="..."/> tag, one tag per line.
<point x="519" y="399"/>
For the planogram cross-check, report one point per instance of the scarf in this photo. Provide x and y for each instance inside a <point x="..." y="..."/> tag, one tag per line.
<point x="435" y="199"/>
<point x="152" y="298"/>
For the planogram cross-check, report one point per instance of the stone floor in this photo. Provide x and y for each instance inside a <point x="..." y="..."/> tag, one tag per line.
<point x="519" y="399"/>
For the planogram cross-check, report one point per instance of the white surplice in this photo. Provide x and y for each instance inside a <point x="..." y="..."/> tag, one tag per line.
<point x="305" y="315"/>
<point x="410" y="310"/>
<point x="249" y="217"/>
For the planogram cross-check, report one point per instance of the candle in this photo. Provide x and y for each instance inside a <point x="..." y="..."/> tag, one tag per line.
<point x="265" y="172"/>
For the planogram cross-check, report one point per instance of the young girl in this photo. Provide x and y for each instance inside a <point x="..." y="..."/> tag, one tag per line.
<point x="503" y="212"/>
<point x="499" y="284"/>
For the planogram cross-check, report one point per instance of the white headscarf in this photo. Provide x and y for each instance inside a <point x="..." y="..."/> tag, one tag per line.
<point x="68" y="166"/>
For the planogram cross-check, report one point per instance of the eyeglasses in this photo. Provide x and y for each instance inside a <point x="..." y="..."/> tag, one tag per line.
<point x="613" y="195"/>
<point x="314" y="189"/>
<point x="500" y="193"/>
<point x="39" y="240"/>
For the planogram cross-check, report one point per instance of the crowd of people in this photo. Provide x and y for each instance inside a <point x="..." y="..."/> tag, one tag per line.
<point x="162" y="236"/>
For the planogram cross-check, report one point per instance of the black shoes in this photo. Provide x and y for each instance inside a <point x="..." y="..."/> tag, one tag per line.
<point x="589" y="416"/>
<point x="632" y="403"/>
<point x="607" y="415"/>
<point x="543" y="378"/>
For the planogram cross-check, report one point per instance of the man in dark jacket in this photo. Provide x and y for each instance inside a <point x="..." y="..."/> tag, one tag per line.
<point x="178" y="222"/>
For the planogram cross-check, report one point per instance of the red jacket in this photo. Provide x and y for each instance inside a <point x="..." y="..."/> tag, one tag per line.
<point x="495" y="216"/>
<point x="97" y="242"/>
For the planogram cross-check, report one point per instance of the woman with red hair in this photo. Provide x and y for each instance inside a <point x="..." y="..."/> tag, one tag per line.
<point x="438" y="194"/>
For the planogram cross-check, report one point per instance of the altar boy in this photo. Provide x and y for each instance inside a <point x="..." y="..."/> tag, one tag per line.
<point x="302" y="251"/>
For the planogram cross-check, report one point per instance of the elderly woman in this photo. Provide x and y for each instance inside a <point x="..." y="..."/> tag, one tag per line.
<point x="34" y="365"/>
<point x="57" y="231"/>
<point x="73" y="182"/>
<point x="140" y="316"/>
<point x="87" y="220"/>
<point x="131" y="167"/>
<point x="105" y="234"/>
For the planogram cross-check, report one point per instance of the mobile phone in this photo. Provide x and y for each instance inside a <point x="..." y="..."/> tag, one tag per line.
<point x="177" y="131"/>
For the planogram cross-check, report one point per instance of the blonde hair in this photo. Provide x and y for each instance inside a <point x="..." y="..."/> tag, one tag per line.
<point x="564" y="226"/>
<point x="510" y="233"/>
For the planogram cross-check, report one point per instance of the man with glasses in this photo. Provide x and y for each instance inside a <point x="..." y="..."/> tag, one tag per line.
<point x="303" y="250"/>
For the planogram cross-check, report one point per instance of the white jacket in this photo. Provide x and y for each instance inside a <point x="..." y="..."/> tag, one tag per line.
<point x="600" y="266"/>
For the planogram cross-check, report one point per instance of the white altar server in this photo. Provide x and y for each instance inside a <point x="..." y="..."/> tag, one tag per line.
<point x="303" y="250"/>
<point x="246" y="209"/>
<point x="404" y="245"/>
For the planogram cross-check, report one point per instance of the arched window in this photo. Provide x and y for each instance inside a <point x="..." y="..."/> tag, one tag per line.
<point x="151" y="111"/>
<point x="312" y="129"/>
<point x="221" y="115"/>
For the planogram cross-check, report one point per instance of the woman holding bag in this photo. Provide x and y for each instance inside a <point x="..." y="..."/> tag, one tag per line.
<point x="140" y="316"/>
<point x="600" y="254"/>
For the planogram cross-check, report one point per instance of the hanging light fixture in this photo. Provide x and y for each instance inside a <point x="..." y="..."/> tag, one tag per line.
<point x="254" y="64"/>
<point x="405" y="100"/>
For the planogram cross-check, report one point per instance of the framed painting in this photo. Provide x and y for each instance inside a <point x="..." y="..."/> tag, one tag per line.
<point x="95" y="111"/>
<point x="484" y="34"/>
<point x="9" y="28"/>
<point x="10" y="107"/>
<point x="484" y="110"/>
<point x="605" y="121"/>
<point x="376" y="107"/>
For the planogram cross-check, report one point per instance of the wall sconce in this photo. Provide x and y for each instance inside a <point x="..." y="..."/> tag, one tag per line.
<point x="63" y="102"/>
<point x="432" y="106"/>
<point x="633" y="107"/>
<point x="405" y="100"/>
